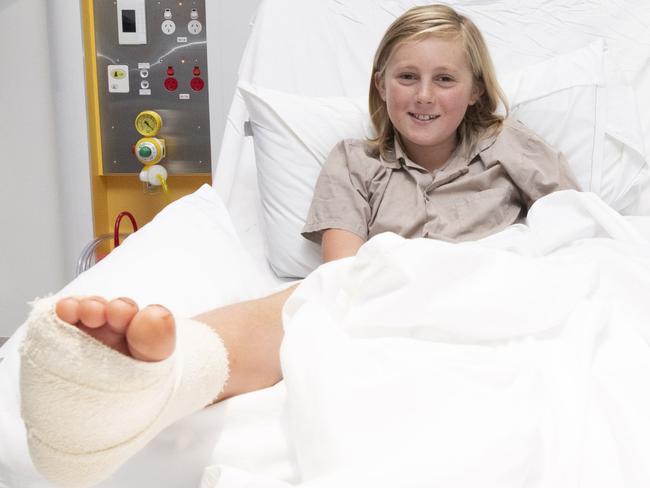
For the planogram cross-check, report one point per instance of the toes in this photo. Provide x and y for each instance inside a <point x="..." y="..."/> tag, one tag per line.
<point x="92" y="312"/>
<point x="147" y="335"/>
<point x="119" y="314"/>
<point x="67" y="309"/>
<point x="151" y="336"/>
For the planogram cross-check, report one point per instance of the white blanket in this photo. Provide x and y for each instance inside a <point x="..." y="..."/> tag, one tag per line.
<point x="518" y="361"/>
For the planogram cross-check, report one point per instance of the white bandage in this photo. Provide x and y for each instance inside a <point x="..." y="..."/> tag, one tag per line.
<point x="88" y="408"/>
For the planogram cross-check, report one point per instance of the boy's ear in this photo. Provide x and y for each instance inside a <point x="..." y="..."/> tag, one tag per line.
<point x="380" y="85"/>
<point x="478" y="89"/>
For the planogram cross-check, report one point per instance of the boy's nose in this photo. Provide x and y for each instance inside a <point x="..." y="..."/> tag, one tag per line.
<point x="425" y="93"/>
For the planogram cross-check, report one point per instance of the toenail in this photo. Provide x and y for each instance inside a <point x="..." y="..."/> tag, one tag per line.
<point x="128" y="300"/>
<point x="161" y="308"/>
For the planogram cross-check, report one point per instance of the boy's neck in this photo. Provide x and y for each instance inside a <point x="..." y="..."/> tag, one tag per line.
<point x="430" y="158"/>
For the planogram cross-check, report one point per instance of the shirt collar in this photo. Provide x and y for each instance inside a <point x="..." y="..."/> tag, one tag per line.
<point x="393" y="158"/>
<point x="396" y="158"/>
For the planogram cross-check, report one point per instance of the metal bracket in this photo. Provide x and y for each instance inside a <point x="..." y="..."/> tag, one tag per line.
<point x="248" y="129"/>
<point x="2" y="341"/>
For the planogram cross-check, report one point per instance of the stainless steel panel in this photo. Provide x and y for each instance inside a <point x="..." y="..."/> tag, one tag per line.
<point x="186" y="122"/>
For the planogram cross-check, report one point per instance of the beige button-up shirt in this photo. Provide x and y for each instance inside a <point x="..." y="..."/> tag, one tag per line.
<point x="469" y="197"/>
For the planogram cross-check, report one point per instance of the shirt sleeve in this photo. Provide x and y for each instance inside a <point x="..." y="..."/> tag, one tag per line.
<point x="535" y="167"/>
<point x="340" y="199"/>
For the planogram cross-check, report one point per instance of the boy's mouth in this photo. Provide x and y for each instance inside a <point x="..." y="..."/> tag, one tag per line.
<point x="423" y="117"/>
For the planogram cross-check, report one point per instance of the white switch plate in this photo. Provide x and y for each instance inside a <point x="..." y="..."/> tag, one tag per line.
<point x="118" y="78"/>
<point x="124" y="10"/>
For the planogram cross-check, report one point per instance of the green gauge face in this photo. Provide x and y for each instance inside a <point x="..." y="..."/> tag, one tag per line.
<point x="148" y="123"/>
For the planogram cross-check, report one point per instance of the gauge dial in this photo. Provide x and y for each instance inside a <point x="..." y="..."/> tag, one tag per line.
<point x="148" y="123"/>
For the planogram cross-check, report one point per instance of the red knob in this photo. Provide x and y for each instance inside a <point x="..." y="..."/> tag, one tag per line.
<point x="170" y="71"/>
<point x="197" y="84"/>
<point x="196" y="71"/>
<point x="171" y="84"/>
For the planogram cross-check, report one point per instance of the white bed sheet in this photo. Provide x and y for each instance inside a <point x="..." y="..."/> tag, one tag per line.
<point x="245" y="441"/>
<point x="520" y="361"/>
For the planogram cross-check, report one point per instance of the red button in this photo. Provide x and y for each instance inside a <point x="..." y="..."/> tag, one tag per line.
<point x="170" y="71"/>
<point x="196" y="71"/>
<point x="171" y="84"/>
<point x="197" y="84"/>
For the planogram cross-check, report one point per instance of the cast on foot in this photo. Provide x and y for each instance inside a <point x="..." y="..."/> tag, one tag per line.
<point x="95" y="392"/>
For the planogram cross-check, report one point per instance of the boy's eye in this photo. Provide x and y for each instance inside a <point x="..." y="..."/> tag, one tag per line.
<point x="407" y="76"/>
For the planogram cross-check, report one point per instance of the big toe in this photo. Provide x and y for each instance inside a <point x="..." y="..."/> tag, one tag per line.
<point x="151" y="335"/>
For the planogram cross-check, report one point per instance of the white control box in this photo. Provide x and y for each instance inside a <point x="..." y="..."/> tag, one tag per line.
<point x="118" y="78"/>
<point x="131" y="22"/>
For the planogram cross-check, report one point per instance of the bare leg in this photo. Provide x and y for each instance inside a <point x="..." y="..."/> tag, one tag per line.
<point x="251" y="331"/>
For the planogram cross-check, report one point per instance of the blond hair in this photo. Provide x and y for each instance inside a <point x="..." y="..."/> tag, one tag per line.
<point x="443" y="22"/>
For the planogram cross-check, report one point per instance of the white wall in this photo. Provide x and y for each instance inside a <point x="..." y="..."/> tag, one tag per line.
<point x="65" y="42"/>
<point x="31" y="242"/>
<point x="45" y="217"/>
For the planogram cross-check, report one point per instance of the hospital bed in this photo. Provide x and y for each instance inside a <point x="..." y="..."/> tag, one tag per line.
<point x="578" y="72"/>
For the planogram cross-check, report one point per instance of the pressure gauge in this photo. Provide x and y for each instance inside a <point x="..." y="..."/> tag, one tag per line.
<point x="148" y="123"/>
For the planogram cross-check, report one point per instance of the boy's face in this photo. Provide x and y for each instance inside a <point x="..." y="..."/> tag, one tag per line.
<point x="427" y="86"/>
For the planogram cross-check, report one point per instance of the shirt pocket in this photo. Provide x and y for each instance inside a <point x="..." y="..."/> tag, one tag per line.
<point x="482" y="213"/>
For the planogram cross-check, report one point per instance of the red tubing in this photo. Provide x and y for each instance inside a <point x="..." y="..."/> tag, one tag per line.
<point x="116" y="231"/>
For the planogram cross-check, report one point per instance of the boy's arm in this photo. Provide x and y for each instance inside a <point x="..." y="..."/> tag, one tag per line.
<point x="338" y="243"/>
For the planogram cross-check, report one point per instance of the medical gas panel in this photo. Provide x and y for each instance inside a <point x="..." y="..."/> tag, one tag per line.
<point x="152" y="87"/>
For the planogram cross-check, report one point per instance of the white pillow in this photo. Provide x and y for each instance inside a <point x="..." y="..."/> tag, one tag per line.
<point x="187" y="258"/>
<point x="562" y="99"/>
<point x="580" y="104"/>
<point x="292" y="137"/>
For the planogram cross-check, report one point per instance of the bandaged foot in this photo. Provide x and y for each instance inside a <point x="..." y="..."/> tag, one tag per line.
<point x="89" y="406"/>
